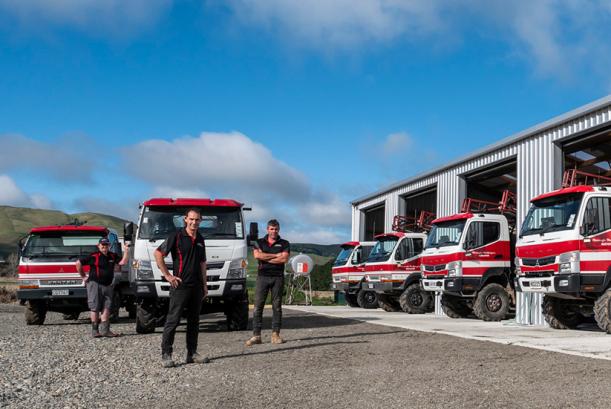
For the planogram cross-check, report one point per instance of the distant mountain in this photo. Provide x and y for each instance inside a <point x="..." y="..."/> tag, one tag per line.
<point x="16" y="222"/>
<point x="324" y="250"/>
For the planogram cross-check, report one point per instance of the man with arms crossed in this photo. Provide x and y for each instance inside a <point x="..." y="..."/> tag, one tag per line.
<point x="272" y="252"/>
<point x="188" y="282"/>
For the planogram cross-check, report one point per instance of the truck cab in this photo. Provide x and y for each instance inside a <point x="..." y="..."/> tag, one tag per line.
<point x="223" y="230"/>
<point x="393" y="272"/>
<point x="348" y="269"/>
<point x="564" y="252"/>
<point x="48" y="280"/>
<point x="467" y="258"/>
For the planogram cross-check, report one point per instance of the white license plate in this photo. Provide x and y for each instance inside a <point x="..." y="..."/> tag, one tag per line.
<point x="60" y="292"/>
<point x="370" y="285"/>
<point x="535" y="284"/>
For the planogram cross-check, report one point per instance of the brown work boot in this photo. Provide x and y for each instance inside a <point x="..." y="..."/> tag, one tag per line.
<point x="256" y="339"/>
<point x="276" y="339"/>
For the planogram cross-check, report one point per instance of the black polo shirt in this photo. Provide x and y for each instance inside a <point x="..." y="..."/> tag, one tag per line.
<point x="101" y="267"/>
<point x="187" y="255"/>
<point x="277" y="247"/>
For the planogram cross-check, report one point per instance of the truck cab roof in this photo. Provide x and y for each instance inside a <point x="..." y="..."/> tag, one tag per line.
<point x="183" y="202"/>
<point x="47" y="229"/>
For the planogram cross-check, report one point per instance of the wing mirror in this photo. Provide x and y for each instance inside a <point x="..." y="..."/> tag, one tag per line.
<point x="253" y="234"/>
<point x="128" y="232"/>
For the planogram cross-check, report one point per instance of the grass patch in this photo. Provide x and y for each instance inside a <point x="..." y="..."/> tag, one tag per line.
<point x="7" y="295"/>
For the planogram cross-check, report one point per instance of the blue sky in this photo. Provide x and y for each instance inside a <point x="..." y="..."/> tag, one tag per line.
<point x="294" y="107"/>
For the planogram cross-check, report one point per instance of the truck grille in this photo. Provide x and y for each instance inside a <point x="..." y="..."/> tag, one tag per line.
<point x="215" y="266"/>
<point x="539" y="273"/>
<point x="531" y="262"/>
<point x="438" y="267"/>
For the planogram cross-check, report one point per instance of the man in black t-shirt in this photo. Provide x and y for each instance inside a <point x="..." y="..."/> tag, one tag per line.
<point x="272" y="252"/>
<point x="188" y="282"/>
<point x="103" y="264"/>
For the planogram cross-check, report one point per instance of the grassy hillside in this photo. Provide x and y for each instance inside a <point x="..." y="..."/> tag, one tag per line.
<point x="16" y="222"/>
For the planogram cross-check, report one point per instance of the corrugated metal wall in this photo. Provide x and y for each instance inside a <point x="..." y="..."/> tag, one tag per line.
<point x="539" y="169"/>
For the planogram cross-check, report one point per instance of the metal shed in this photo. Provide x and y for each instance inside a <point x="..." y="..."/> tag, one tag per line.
<point x="531" y="161"/>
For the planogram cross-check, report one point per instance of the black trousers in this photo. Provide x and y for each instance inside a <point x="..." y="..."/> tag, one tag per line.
<point x="266" y="284"/>
<point x="181" y="298"/>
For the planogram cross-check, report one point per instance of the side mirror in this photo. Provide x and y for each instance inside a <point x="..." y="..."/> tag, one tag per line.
<point x="128" y="232"/>
<point x="253" y="234"/>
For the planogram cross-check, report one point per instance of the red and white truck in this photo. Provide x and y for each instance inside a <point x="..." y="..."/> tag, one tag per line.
<point x="564" y="251"/>
<point x="393" y="272"/>
<point x="348" y="272"/>
<point x="226" y="249"/>
<point x="48" y="280"/>
<point x="468" y="258"/>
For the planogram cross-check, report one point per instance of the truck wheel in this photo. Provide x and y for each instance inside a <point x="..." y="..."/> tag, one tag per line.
<point x="454" y="307"/>
<point x="414" y="300"/>
<point x="351" y="300"/>
<point x="71" y="316"/>
<point x="559" y="314"/>
<point x="367" y="299"/>
<point x="115" y="306"/>
<point x="131" y="309"/>
<point x="491" y="303"/>
<point x="388" y="303"/>
<point x="35" y="312"/>
<point x="237" y="315"/>
<point x="602" y="311"/>
<point x="145" y="319"/>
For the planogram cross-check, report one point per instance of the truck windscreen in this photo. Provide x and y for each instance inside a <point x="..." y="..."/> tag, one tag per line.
<point x="61" y="244"/>
<point x="382" y="249"/>
<point x="217" y="222"/>
<point x="445" y="234"/>
<point x="343" y="256"/>
<point x="552" y="214"/>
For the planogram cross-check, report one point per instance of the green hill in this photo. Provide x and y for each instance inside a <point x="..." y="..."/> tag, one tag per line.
<point x="16" y="222"/>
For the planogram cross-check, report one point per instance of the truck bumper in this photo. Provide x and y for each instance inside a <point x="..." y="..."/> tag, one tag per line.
<point x="52" y="293"/>
<point x="233" y="288"/>
<point x="384" y="287"/>
<point x="561" y="283"/>
<point x="350" y="288"/>
<point x="461" y="286"/>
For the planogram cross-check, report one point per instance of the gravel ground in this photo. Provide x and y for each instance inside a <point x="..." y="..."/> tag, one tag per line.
<point x="326" y="362"/>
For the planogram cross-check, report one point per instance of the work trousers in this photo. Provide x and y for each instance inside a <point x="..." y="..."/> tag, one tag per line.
<point x="187" y="298"/>
<point x="265" y="284"/>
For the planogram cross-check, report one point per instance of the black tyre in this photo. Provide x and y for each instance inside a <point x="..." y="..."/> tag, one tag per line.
<point x="491" y="303"/>
<point x="145" y="319"/>
<point x="131" y="309"/>
<point x="237" y="315"/>
<point x="115" y="306"/>
<point x="414" y="300"/>
<point x="367" y="299"/>
<point x="351" y="300"/>
<point x="35" y="312"/>
<point x="602" y="311"/>
<point x="455" y="307"/>
<point x="71" y="316"/>
<point x="388" y="303"/>
<point x="560" y="314"/>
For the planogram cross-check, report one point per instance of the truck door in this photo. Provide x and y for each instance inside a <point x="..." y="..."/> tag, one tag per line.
<point x="482" y="247"/>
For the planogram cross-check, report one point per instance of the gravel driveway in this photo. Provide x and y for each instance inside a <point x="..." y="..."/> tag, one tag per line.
<point x="326" y="363"/>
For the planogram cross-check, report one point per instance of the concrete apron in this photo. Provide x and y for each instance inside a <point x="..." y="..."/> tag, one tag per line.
<point x="587" y="342"/>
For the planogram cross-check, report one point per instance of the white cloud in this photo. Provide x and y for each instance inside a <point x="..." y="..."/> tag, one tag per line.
<point x="94" y="16"/>
<point x="557" y="37"/>
<point x="218" y="163"/>
<point x="13" y="195"/>
<point x="126" y="208"/>
<point x="396" y="144"/>
<point x="64" y="159"/>
<point x="329" y="210"/>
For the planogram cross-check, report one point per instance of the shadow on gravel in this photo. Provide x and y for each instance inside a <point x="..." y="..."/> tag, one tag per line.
<point x="295" y="348"/>
<point x="310" y="321"/>
<point x="357" y="334"/>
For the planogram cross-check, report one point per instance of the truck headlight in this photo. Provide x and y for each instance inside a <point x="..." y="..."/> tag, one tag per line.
<point x="144" y="270"/>
<point x="454" y="269"/>
<point x="237" y="269"/>
<point x="569" y="262"/>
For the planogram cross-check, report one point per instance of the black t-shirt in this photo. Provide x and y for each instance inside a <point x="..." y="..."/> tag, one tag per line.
<point x="187" y="255"/>
<point x="101" y="267"/>
<point x="277" y="247"/>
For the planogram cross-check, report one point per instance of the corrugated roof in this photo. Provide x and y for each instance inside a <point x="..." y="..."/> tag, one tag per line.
<point x="576" y="113"/>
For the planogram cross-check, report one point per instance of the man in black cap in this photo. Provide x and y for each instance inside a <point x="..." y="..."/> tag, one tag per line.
<point x="103" y="264"/>
<point x="272" y="252"/>
<point x="189" y="285"/>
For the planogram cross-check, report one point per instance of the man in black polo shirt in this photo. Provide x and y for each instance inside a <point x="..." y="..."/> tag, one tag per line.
<point x="272" y="252"/>
<point x="188" y="282"/>
<point x="102" y="267"/>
